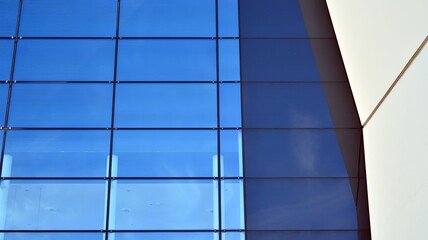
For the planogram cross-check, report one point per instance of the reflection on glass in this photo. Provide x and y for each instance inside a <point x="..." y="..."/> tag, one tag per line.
<point x="167" y="60"/>
<point x="53" y="236"/>
<point x="165" y="18"/>
<point x="300" y="204"/>
<point x="165" y="235"/>
<point x="55" y="205"/>
<point x="232" y="201"/>
<point x="231" y="153"/>
<point x="65" y="60"/>
<point x="77" y="18"/>
<point x="229" y="60"/>
<point x="58" y="153"/>
<point x="165" y="204"/>
<point x="166" y="105"/>
<point x="163" y="153"/>
<point x="228" y="18"/>
<point x="233" y="236"/>
<point x="8" y="15"/>
<point x="61" y="105"/>
<point x="6" y="50"/>
<point x="230" y="105"/>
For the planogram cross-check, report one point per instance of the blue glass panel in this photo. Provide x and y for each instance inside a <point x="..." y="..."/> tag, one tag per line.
<point x="233" y="236"/>
<point x="166" y="18"/>
<point x="58" y="153"/>
<point x="300" y="204"/>
<point x="275" y="18"/>
<point x="164" y="236"/>
<point x="8" y="15"/>
<point x="278" y="60"/>
<point x="6" y="50"/>
<point x="300" y="153"/>
<point x="166" y="105"/>
<point x="231" y="153"/>
<point x="306" y="235"/>
<point x="4" y="88"/>
<point x="228" y="18"/>
<point x="55" y="205"/>
<point x="63" y="18"/>
<point x="69" y="60"/>
<point x="232" y="197"/>
<point x="230" y="105"/>
<point x="167" y="60"/>
<point x="164" y="153"/>
<point x="229" y="60"/>
<point x="53" y="236"/>
<point x="165" y="204"/>
<point x="278" y="105"/>
<point x="61" y="105"/>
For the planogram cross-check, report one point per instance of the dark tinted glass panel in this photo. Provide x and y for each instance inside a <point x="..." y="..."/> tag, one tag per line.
<point x="278" y="60"/>
<point x="300" y="153"/>
<point x="229" y="60"/>
<point x="58" y="153"/>
<point x="231" y="153"/>
<point x="230" y="105"/>
<point x="232" y="197"/>
<point x="166" y="105"/>
<point x="55" y="205"/>
<point x="166" y="153"/>
<point x="61" y="105"/>
<point x="78" y="18"/>
<point x="8" y="15"/>
<point x="300" y="204"/>
<point x="228" y="18"/>
<point x="165" y="204"/>
<point x="281" y="105"/>
<point x="269" y="14"/>
<point x="167" y="60"/>
<point x="68" y="60"/>
<point x="165" y="235"/>
<point x="305" y="235"/>
<point x="6" y="50"/>
<point x="52" y="236"/>
<point x="165" y="18"/>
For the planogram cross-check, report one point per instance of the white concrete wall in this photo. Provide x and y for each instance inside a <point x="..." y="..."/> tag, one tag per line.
<point x="377" y="39"/>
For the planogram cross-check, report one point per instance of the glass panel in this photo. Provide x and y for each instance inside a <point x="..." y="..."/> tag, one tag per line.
<point x="305" y="235"/>
<point x="285" y="21"/>
<point x="300" y="204"/>
<point x="164" y="153"/>
<point x="165" y="18"/>
<point x="8" y="15"/>
<point x="58" y="153"/>
<point x="77" y="18"/>
<point x="300" y="153"/>
<point x="164" y="236"/>
<point x="232" y="197"/>
<point x="167" y="60"/>
<point x="230" y="105"/>
<point x="4" y="88"/>
<point x="234" y="236"/>
<point x="52" y="236"/>
<point x="228" y="18"/>
<point x="54" y="205"/>
<point x="166" y="105"/>
<point x="66" y="60"/>
<point x="6" y="50"/>
<point x="165" y="204"/>
<point x="229" y="60"/>
<point x="231" y="153"/>
<point x="61" y="105"/>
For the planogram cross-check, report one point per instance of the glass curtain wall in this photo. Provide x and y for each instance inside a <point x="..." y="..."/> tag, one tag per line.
<point x="121" y="119"/>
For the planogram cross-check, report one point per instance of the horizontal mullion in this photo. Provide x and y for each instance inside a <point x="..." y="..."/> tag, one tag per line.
<point x="185" y="230"/>
<point x="164" y="38"/>
<point x="117" y="82"/>
<point x="121" y="178"/>
<point x="109" y="128"/>
<point x="299" y="177"/>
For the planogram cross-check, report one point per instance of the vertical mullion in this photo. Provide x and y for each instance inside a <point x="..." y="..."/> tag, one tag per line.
<point x="219" y="185"/>
<point x="110" y="160"/>
<point x="241" y="86"/>
<point x="9" y="93"/>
